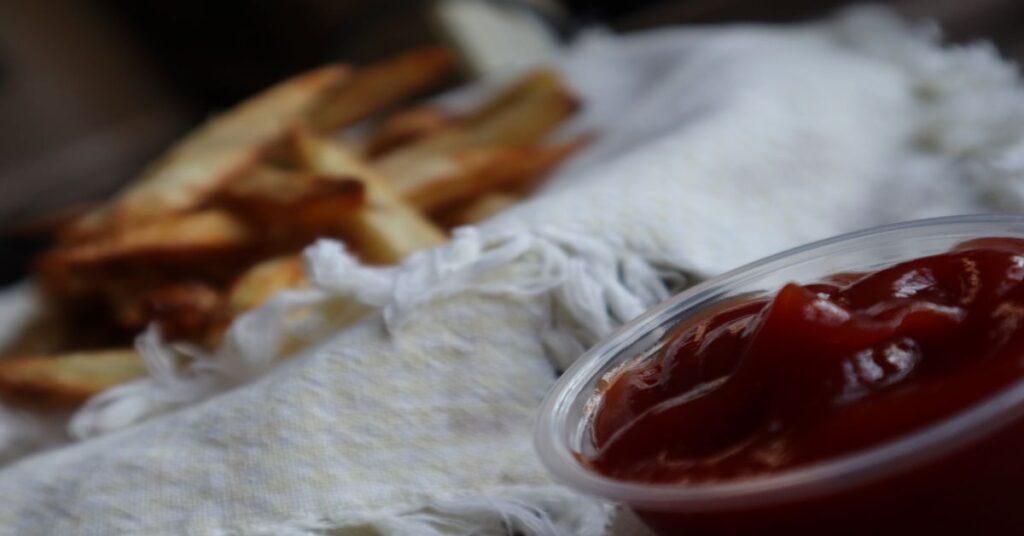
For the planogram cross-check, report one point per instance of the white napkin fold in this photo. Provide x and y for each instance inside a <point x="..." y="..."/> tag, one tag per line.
<point x="409" y="411"/>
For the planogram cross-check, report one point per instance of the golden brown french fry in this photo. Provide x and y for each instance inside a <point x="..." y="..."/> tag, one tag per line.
<point x="524" y="113"/>
<point x="282" y="201"/>
<point x="539" y="80"/>
<point x="226" y="145"/>
<point x="209" y="242"/>
<point x="386" y="229"/>
<point x="477" y="210"/>
<point x="538" y="162"/>
<point x="260" y="282"/>
<point x="66" y="381"/>
<point x="379" y="86"/>
<point x="211" y="229"/>
<point x="406" y="127"/>
<point x="444" y="179"/>
<point x="433" y="171"/>
<point x="185" y="310"/>
<point x="450" y="179"/>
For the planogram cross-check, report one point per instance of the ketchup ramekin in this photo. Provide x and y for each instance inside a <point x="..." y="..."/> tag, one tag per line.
<point x="965" y="473"/>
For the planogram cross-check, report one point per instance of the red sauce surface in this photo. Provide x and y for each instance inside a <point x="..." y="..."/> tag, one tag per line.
<point x="761" y="385"/>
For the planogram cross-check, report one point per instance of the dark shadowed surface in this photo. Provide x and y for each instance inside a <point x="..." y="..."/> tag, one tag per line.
<point x="91" y="90"/>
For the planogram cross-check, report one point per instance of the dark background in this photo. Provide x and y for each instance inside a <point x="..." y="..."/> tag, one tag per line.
<point x="92" y="89"/>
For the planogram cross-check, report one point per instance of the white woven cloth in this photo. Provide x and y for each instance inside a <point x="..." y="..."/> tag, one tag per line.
<point x="408" y="404"/>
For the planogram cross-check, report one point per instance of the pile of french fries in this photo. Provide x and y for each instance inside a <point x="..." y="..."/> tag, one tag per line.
<point x="214" y="227"/>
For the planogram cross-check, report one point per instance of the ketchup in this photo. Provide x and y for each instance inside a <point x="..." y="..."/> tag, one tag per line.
<point x="761" y="385"/>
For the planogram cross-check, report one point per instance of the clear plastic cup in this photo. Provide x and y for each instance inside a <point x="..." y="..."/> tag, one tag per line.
<point x="965" y="473"/>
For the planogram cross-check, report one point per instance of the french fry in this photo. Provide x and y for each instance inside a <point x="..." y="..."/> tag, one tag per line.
<point x="260" y="282"/>
<point x="520" y="178"/>
<point x="446" y="168"/>
<point x="379" y="86"/>
<point x="538" y="162"/>
<point x="477" y="210"/>
<point x="283" y="201"/>
<point x="444" y="179"/>
<point x="185" y="311"/>
<point x="66" y="381"/>
<point x="212" y="229"/>
<point x="539" y="80"/>
<point x="520" y="115"/>
<point x="212" y="242"/>
<point x="524" y="113"/>
<point x="406" y="127"/>
<point x="194" y="168"/>
<point x="386" y="229"/>
<point x="450" y="179"/>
